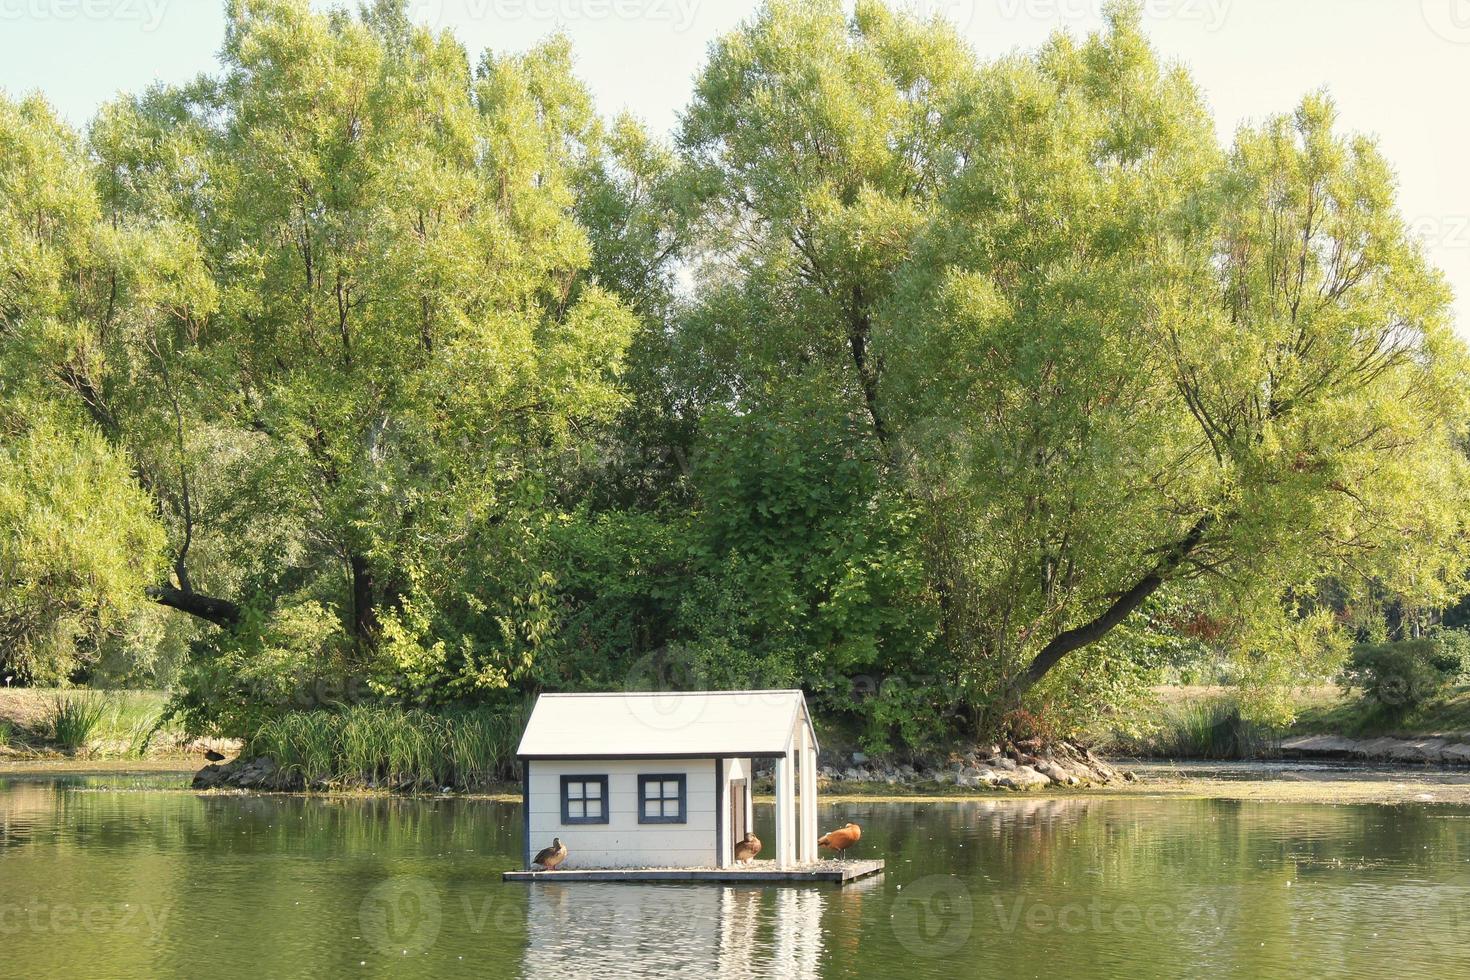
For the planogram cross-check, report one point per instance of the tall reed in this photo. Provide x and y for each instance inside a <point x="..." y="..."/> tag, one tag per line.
<point x="73" y="720"/>
<point x="1199" y="729"/>
<point x="393" y="747"/>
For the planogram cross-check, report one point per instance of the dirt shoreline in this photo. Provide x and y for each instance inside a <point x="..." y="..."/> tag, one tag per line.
<point x="1270" y="783"/>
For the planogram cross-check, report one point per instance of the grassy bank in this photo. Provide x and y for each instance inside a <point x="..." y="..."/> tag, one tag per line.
<point x="80" y="722"/>
<point x="1446" y="714"/>
<point x="1205" y="723"/>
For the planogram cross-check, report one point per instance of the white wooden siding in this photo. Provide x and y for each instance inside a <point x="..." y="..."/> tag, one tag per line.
<point x="623" y="842"/>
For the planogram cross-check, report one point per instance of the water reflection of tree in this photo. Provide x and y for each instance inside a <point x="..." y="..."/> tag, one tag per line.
<point x="1239" y="888"/>
<point x="282" y="881"/>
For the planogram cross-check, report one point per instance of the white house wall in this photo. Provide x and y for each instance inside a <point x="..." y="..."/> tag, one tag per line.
<point x="623" y="842"/>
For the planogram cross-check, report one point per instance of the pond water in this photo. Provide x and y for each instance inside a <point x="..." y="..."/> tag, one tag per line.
<point x="128" y="876"/>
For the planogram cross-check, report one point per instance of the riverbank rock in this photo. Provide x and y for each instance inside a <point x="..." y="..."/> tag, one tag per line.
<point x="1025" y="778"/>
<point x="257" y="774"/>
<point x="979" y="767"/>
<point x="1423" y="751"/>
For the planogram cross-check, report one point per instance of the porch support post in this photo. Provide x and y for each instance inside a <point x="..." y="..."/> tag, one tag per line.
<point x="785" y="810"/>
<point x="809" y="833"/>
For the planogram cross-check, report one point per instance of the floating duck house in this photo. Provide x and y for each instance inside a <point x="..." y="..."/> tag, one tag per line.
<point x="654" y="783"/>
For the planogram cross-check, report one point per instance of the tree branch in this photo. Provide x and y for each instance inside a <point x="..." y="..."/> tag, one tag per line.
<point x="1123" y="607"/>
<point x="220" y="612"/>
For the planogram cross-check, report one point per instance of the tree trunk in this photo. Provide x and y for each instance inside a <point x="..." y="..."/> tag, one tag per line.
<point x="1123" y="607"/>
<point x="859" y="331"/>
<point x="364" y="608"/>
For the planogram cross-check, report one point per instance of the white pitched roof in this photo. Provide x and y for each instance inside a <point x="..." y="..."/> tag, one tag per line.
<point x="664" y="724"/>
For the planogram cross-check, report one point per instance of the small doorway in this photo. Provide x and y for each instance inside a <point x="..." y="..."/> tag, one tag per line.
<point x="737" y="812"/>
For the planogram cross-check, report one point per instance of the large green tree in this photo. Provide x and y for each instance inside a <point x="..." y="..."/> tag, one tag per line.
<point x="336" y="308"/>
<point x="1105" y="357"/>
<point x="78" y="540"/>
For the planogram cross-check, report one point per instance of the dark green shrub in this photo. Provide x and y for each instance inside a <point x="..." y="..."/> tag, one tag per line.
<point x="1400" y="677"/>
<point x="1213" y="729"/>
<point x="1455" y="648"/>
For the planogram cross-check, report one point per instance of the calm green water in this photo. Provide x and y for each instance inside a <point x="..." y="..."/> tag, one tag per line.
<point x="132" y="877"/>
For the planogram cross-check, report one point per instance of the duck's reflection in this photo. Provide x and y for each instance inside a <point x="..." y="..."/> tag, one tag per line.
<point x="611" y="930"/>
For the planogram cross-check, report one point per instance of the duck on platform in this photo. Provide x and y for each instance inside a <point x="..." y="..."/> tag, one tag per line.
<point x="747" y="849"/>
<point x="841" y="840"/>
<point x="551" y="858"/>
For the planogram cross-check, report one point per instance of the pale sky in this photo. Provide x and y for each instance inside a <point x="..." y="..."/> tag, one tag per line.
<point x="1399" y="69"/>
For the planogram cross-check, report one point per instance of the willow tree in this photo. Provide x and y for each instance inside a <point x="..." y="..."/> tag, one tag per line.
<point x="816" y="147"/>
<point x="78" y="540"/>
<point x="356" y="321"/>
<point x="1139" y="363"/>
<point x="1106" y="358"/>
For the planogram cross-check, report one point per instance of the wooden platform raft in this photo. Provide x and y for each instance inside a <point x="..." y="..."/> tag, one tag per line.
<point x="760" y="872"/>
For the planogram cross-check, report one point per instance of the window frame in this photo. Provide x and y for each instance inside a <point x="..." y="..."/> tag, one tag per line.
<point x="566" y="816"/>
<point x="683" y="797"/>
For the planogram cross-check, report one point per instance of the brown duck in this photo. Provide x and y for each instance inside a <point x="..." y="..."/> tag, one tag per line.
<point x="841" y="840"/>
<point x="747" y="849"/>
<point x="553" y="856"/>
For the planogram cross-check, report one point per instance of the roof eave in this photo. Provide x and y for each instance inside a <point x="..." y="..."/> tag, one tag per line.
<point x="574" y="756"/>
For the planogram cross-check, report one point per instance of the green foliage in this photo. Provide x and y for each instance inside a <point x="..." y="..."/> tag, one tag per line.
<point x="1454" y="652"/>
<point x="77" y="547"/>
<point x="1098" y="354"/>
<point x="942" y="389"/>
<point x="294" y="658"/>
<point x="1399" y="678"/>
<point x="7" y="733"/>
<point x="74" y="720"/>
<point x="134" y="721"/>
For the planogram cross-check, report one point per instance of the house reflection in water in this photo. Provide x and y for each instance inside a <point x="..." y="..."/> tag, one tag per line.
<point x="618" y="930"/>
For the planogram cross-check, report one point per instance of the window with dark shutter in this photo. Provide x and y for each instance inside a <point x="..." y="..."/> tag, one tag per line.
<point x="583" y="799"/>
<point x="662" y="799"/>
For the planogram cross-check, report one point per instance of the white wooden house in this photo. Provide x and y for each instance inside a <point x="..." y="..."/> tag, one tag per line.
<point x="663" y="780"/>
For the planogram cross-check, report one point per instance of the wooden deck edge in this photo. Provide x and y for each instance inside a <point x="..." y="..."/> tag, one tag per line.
<point x="839" y="875"/>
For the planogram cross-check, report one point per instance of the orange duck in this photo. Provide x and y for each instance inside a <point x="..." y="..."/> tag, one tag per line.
<point x="746" y="850"/>
<point x="841" y="840"/>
